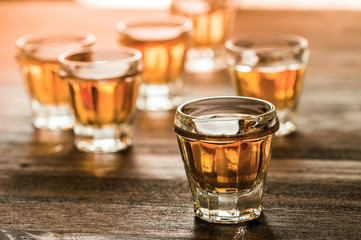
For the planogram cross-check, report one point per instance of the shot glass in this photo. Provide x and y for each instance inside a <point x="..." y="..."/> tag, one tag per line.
<point x="37" y="55"/>
<point x="163" y="41"/>
<point x="226" y="144"/>
<point x="270" y="67"/>
<point x="103" y="85"/>
<point x="212" y="20"/>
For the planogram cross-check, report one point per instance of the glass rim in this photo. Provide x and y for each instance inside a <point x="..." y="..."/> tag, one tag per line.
<point x="183" y="23"/>
<point x="232" y="46"/>
<point x="137" y="56"/>
<point x="24" y="43"/>
<point x="272" y="109"/>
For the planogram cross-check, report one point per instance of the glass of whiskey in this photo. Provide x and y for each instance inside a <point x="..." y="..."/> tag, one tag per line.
<point x="270" y="67"/>
<point x="163" y="41"/>
<point x="37" y="55"/>
<point x="212" y="20"/>
<point x="226" y="145"/>
<point x="103" y="87"/>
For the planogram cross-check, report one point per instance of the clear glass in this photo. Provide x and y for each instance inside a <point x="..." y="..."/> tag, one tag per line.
<point x="37" y="55"/>
<point x="270" y="67"/>
<point x="163" y="41"/>
<point x="212" y="20"/>
<point x="226" y="144"/>
<point x="103" y="86"/>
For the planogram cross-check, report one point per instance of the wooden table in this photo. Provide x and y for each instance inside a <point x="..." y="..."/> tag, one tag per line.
<point x="49" y="190"/>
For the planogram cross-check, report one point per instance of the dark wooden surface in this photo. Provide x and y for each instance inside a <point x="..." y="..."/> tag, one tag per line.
<point x="49" y="190"/>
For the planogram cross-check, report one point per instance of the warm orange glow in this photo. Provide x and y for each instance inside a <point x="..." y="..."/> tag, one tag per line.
<point x="301" y="4"/>
<point x="244" y="4"/>
<point x="135" y="4"/>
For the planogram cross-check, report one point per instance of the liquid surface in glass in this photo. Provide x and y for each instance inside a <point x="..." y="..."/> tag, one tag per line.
<point x="103" y="102"/>
<point x="280" y="86"/>
<point x="210" y="20"/>
<point x="163" y="50"/>
<point x="43" y="82"/>
<point x="225" y="163"/>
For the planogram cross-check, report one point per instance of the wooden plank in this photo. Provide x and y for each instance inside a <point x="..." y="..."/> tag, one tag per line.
<point x="300" y="195"/>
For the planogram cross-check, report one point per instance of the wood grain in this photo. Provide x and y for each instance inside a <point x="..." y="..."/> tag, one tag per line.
<point x="49" y="190"/>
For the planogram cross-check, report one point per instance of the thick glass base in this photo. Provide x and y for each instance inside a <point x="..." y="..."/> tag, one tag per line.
<point x="287" y="122"/>
<point x="205" y="60"/>
<point x="228" y="208"/>
<point x="159" y="97"/>
<point x="52" y="117"/>
<point x="103" y="140"/>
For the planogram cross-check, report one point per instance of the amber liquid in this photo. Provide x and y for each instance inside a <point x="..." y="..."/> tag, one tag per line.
<point x="43" y="82"/>
<point x="106" y="102"/>
<point x="163" y="50"/>
<point x="280" y="87"/>
<point x="210" y="21"/>
<point x="224" y="164"/>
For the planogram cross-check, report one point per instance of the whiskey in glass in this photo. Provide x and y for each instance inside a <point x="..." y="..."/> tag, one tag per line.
<point x="270" y="67"/>
<point x="212" y="20"/>
<point x="37" y="55"/>
<point x="163" y="41"/>
<point x="226" y="144"/>
<point x="103" y="85"/>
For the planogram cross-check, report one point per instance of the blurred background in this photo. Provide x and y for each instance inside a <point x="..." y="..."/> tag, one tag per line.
<point x="101" y="16"/>
<point x="245" y="4"/>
